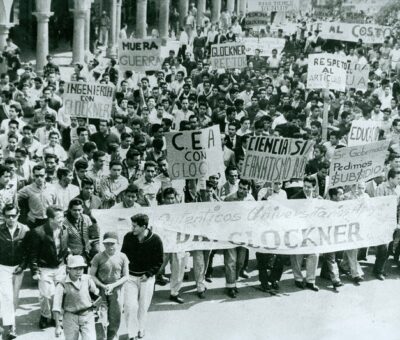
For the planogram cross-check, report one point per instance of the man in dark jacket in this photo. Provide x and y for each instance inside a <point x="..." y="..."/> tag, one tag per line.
<point x="48" y="251"/>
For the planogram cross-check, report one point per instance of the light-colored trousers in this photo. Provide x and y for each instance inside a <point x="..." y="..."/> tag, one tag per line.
<point x="137" y="301"/>
<point x="178" y="263"/>
<point x="103" y="35"/>
<point x="311" y="267"/>
<point x="75" y="325"/>
<point x="200" y="263"/>
<point x="10" y="285"/>
<point x="47" y="286"/>
<point x="350" y="263"/>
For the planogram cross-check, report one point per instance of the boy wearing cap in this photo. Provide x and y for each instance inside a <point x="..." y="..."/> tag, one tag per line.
<point x="110" y="271"/>
<point x="73" y="296"/>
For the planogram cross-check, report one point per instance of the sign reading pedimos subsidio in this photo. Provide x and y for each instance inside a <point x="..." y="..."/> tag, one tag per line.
<point x="275" y="159"/>
<point x="88" y="100"/>
<point x="139" y="54"/>
<point x="327" y="71"/>
<point x="194" y="154"/>
<point x="228" y="55"/>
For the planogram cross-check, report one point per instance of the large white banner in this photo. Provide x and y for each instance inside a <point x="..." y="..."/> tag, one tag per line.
<point x="88" y="100"/>
<point x="195" y="154"/>
<point x="139" y="54"/>
<point x="275" y="159"/>
<point x="265" y="45"/>
<point x="357" y="163"/>
<point x="270" y="5"/>
<point x="363" y="132"/>
<point x="289" y="227"/>
<point x="370" y="34"/>
<point x="327" y="71"/>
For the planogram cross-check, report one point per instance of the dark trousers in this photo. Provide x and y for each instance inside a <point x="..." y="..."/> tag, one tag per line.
<point x="264" y="262"/>
<point x="210" y="263"/>
<point x="381" y="258"/>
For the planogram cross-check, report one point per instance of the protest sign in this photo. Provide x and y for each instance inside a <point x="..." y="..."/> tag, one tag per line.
<point x="270" y="5"/>
<point x="357" y="163"/>
<point x="369" y="33"/>
<point x="275" y="159"/>
<point x="257" y="19"/>
<point x="228" y="55"/>
<point x="327" y="71"/>
<point x="88" y="100"/>
<point x="363" y="132"/>
<point x="139" y="54"/>
<point x="194" y="154"/>
<point x="357" y="76"/>
<point x="284" y="227"/>
<point x="265" y="45"/>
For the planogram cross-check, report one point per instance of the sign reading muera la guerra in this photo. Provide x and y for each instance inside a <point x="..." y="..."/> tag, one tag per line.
<point x="327" y="71"/>
<point x="357" y="163"/>
<point x="275" y="159"/>
<point x="139" y="54"/>
<point x="228" y="56"/>
<point x="194" y="154"/>
<point x="88" y="100"/>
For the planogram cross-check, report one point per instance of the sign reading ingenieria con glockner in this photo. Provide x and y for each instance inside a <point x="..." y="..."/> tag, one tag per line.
<point x="194" y="154"/>
<point x="88" y="100"/>
<point x="139" y="54"/>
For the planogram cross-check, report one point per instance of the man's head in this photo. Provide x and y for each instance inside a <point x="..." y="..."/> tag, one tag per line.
<point x="243" y="189"/>
<point x="39" y="174"/>
<point x="130" y="195"/>
<point x="309" y="185"/>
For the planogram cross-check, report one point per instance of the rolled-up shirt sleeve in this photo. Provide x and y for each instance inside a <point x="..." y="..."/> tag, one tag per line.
<point x="58" y="298"/>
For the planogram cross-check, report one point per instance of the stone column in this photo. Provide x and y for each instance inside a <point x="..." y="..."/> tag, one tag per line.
<point x="112" y="42"/>
<point x="4" y="30"/>
<point x="163" y="21"/>
<point x="87" y="30"/>
<point x="242" y="6"/>
<point x="215" y="11"/>
<point x="183" y="11"/>
<point x="78" y="44"/>
<point x="42" y="15"/>
<point x="201" y="8"/>
<point x="141" y="18"/>
<point x="230" y="5"/>
<point x="118" y="22"/>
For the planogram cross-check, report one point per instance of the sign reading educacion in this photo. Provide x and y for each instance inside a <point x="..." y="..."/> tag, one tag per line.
<point x="327" y="71"/>
<point x="363" y="132"/>
<point x="275" y="159"/>
<point x="139" y="54"/>
<point x="284" y="227"/>
<point x="194" y="154"/>
<point x="357" y="163"/>
<point x="88" y="100"/>
<point x="228" y="55"/>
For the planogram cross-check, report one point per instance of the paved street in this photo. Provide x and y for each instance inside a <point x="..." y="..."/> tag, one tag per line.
<point x="369" y="311"/>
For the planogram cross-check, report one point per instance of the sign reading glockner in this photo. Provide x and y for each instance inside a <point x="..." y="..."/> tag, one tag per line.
<point x="229" y="55"/>
<point x="139" y="54"/>
<point x="194" y="154"/>
<point x="88" y="100"/>
<point x="327" y="71"/>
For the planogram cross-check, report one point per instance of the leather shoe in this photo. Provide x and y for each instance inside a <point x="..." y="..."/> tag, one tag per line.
<point x="208" y="278"/>
<point x="244" y="275"/>
<point x="338" y="284"/>
<point x="312" y="286"/>
<point x="202" y="295"/>
<point x="231" y="293"/>
<point x="161" y="280"/>
<point x="299" y="284"/>
<point x="11" y="335"/>
<point x="357" y="280"/>
<point x="380" y="277"/>
<point x="43" y="322"/>
<point x="140" y="334"/>
<point x="275" y="285"/>
<point x="176" y="299"/>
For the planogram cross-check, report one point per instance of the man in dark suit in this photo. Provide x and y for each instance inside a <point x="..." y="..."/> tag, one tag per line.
<point x="308" y="192"/>
<point x="48" y="252"/>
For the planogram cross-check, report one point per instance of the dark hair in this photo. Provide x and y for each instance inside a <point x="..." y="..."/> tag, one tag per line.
<point x="334" y="191"/>
<point x="88" y="147"/>
<point x="81" y="164"/>
<point x="3" y="169"/>
<point x="245" y="182"/>
<point x="37" y="167"/>
<point x="10" y="206"/>
<point x="115" y="162"/>
<point x="132" y="188"/>
<point x="81" y="129"/>
<point x="97" y="154"/>
<point x="392" y="173"/>
<point x="141" y="220"/>
<point x="75" y="202"/>
<point x="52" y="210"/>
<point x="311" y="180"/>
<point x="50" y="155"/>
<point x="169" y="191"/>
<point x="62" y="172"/>
<point x="87" y="181"/>
<point x="149" y="164"/>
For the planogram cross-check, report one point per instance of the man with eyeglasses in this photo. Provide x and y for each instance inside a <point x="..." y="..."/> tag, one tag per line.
<point x="235" y="258"/>
<point x="144" y="250"/>
<point x="13" y="261"/>
<point x="39" y="195"/>
<point x="48" y="252"/>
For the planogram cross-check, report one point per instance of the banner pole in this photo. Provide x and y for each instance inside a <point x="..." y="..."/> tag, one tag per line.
<point x="325" y="115"/>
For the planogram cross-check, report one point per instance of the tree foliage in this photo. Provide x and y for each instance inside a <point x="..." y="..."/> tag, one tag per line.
<point x="387" y="11"/>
